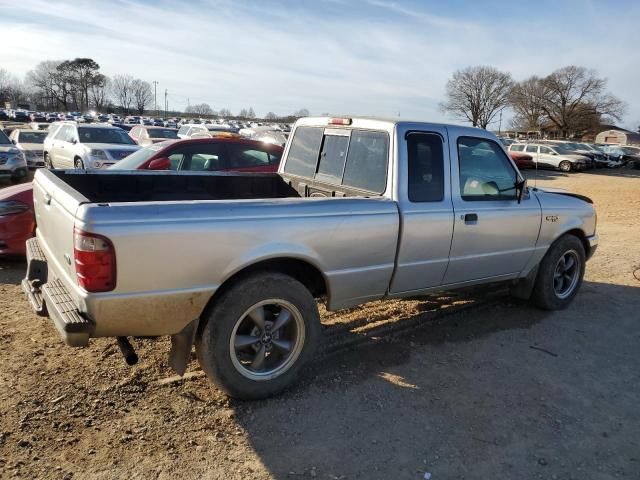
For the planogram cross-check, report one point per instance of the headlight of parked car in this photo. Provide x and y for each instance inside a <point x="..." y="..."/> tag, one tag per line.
<point x="12" y="207"/>
<point x="98" y="155"/>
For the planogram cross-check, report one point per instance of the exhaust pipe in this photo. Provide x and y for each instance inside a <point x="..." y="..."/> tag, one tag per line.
<point x="127" y="350"/>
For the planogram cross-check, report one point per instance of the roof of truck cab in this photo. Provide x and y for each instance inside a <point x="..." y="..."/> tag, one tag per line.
<point x="382" y="122"/>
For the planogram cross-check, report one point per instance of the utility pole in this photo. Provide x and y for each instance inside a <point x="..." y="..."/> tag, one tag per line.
<point x="500" y="124"/>
<point x="155" y="96"/>
<point x="165" y="103"/>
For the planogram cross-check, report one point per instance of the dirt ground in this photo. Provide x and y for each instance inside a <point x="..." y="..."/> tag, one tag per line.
<point x="461" y="387"/>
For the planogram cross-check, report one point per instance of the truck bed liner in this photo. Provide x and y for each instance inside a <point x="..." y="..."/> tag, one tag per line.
<point x="103" y="187"/>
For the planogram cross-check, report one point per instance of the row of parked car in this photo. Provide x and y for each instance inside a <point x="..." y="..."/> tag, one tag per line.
<point x="69" y="145"/>
<point x="570" y="156"/>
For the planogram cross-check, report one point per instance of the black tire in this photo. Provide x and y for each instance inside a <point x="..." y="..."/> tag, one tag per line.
<point x="565" y="166"/>
<point x="226" y="315"/>
<point x="78" y="164"/>
<point x="47" y="161"/>
<point x="545" y="294"/>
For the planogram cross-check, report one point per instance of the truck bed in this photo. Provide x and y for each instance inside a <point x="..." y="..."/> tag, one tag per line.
<point x="106" y="187"/>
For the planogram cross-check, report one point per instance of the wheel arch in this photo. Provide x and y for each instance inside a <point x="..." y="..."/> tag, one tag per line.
<point x="301" y="269"/>
<point x="579" y="233"/>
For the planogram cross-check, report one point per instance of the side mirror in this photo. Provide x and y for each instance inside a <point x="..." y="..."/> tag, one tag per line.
<point x="521" y="187"/>
<point x="162" y="163"/>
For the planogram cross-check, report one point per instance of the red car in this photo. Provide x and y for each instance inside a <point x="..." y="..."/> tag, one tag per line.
<point x="17" y="220"/>
<point x="522" y="160"/>
<point x="220" y="153"/>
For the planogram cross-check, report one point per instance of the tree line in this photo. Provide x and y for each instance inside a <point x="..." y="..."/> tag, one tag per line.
<point x="79" y="85"/>
<point x="571" y="100"/>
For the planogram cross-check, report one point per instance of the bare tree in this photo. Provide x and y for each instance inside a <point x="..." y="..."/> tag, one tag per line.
<point x="303" y="112"/>
<point x="122" y="89"/>
<point x="243" y="113"/>
<point x="11" y="88"/>
<point x="526" y="101"/>
<point x="200" y="109"/>
<point x="225" y="112"/>
<point x="477" y="94"/>
<point x="251" y="113"/>
<point x="270" y="116"/>
<point x="99" y="92"/>
<point x="573" y="98"/>
<point x="142" y="94"/>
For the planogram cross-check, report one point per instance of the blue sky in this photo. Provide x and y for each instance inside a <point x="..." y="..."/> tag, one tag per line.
<point x="378" y="57"/>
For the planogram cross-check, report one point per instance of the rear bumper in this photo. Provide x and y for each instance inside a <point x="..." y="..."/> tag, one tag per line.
<point x="49" y="297"/>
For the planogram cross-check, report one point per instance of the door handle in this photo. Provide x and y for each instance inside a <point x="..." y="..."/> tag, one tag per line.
<point x="471" y="217"/>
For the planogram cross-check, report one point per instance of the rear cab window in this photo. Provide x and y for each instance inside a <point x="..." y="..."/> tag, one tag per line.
<point x="347" y="158"/>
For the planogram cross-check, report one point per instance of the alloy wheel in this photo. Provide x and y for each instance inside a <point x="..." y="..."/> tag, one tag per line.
<point x="267" y="339"/>
<point x="566" y="274"/>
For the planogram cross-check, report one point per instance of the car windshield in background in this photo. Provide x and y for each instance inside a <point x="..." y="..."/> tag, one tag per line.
<point x="137" y="158"/>
<point x="630" y="150"/>
<point x="162" y="133"/>
<point x="563" y="148"/>
<point x="33" y="137"/>
<point x="3" y="138"/>
<point x="104" y="135"/>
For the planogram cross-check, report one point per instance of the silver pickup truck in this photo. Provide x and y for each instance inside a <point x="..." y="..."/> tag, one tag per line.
<point x="360" y="210"/>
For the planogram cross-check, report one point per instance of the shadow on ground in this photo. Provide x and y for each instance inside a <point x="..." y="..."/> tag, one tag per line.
<point x="505" y="391"/>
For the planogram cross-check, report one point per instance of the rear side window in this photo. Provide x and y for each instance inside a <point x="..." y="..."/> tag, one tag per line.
<point x="303" y="153"/>
<point x="332" y="158"/>
<point x="426" y="167"/>
<point x="367" y="161"/>
<point x="532" y="149"/>
<point x="517" y="148"/>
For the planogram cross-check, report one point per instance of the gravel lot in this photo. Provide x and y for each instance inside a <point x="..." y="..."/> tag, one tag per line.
<point x="465" y="387"/>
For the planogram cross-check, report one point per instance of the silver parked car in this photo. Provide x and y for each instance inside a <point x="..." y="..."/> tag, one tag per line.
<point x="12" y="160"/>
<point x="553" y="156"/>
<point x="90" y="146"/>
<point x="31" y="143"/>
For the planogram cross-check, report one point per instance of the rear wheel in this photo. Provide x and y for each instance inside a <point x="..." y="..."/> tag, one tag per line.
<point x="47" y="161"/>
<point x="565" y="166"/>
<point x="560" y="274"/>
<point x="258" y="335"/>
<point x="78" y="164"/>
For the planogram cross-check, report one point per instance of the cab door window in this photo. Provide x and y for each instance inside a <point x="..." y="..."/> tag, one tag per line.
<point x="485" y="171"/>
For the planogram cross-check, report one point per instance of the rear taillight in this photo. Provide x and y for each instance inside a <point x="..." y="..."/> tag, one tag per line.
<point x="95" y="260"/>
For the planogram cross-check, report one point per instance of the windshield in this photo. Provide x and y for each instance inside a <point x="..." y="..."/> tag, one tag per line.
<point x="630" y="150"/>
<point x="562" y="148"/>
<point x="104" y="135"/>
<point x="137" y="158"/>
<point x="3" y="138"/>
<point x="33" y="137"/>
<point x="162" y="133"/>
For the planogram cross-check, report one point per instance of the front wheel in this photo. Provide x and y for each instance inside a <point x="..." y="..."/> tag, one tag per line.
<point x="560" y="274"/>
<point x="47" y="161"/>
<point x="258" y="335"/>
<point x="565" y="166"/>
<point x="78" y="164"/>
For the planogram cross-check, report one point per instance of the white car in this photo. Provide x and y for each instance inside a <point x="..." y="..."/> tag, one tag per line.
<point x="90" y="146"/>
<point x="30" y="143"/>
<point x="553" y="156"/>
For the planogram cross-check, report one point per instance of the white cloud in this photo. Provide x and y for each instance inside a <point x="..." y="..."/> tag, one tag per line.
<point x="380" y="57"/>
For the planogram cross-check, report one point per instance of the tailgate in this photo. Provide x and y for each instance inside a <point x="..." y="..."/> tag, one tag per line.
<point x="55" y="205"/>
